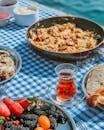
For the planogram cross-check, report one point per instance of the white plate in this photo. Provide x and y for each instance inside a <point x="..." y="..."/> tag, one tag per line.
<point x="84" y="81"/>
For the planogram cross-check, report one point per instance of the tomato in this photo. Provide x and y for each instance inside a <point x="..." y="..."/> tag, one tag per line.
<point x="44" y="122"/>
<point x="39" y="128"/>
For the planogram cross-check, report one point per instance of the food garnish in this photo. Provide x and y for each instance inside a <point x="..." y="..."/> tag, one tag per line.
<point x="2" y="119"/>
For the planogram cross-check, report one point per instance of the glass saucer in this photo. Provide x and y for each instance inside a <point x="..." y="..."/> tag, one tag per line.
<point x="75" y="100"/>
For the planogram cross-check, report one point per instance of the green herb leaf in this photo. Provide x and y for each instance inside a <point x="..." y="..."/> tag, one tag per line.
<point x="2" y="119"/>
<point x="33" y="99"/>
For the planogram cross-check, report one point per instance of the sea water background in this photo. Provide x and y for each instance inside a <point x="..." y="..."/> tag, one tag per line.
<point x="92" y="9"/>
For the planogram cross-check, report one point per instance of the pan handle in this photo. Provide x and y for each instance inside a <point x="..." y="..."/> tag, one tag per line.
<point x="100" y="49"/>
<point x="102" y="45"/>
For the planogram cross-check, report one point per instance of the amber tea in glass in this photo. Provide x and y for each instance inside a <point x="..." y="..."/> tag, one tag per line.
<point x="66" y="88"/>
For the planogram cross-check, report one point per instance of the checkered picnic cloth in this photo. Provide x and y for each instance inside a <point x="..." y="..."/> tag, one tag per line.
<point x="37" y="73"/>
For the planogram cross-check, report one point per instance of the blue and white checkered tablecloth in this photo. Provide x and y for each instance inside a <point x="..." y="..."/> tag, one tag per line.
<point x="38" y="73"/>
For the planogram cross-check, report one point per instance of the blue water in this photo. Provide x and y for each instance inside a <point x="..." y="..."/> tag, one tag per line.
<point x="92" y="9"/>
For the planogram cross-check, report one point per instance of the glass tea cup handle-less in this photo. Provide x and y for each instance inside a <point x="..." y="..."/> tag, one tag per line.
<point x="66" y="87"/>
<point x="65" y="92"/>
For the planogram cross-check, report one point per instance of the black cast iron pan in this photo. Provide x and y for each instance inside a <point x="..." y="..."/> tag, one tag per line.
<point x="82" y="23"/>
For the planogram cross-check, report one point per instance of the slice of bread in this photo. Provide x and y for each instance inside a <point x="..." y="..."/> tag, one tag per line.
<point x="97" y="98"/>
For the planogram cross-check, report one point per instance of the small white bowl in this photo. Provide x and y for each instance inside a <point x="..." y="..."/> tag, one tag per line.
<point x="4" y="2"/>
<point x="4" y="18"/>
<point x="8" y="6"/>
<point x="25" y="16"/>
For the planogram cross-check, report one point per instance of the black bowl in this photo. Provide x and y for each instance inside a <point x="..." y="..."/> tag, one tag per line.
<point x="82" y="23"/>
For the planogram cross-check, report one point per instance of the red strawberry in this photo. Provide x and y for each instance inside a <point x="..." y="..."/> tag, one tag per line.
<point x="4" y="111"/>
<point x="14" y="107"/>
<point x="24" y="103"/>
<point x="8" y="101"/>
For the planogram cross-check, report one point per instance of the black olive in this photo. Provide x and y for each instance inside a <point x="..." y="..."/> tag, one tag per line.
<point x="53" y="122"/>
<point x="29" y="116"/>
<point x="30" y="124"/>
<point x="8" y="124"/>
<point x="39" y="112"/>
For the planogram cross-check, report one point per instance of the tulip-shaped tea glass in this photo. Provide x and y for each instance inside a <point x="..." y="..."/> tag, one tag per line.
<point x="65" y="92"/>
<point x="66" y="87"/>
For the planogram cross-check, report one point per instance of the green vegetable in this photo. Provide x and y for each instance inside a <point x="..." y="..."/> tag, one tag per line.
<point x="2" y="119"/>
<point x="33" y="99"/>
<point x="35" y="102"/>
